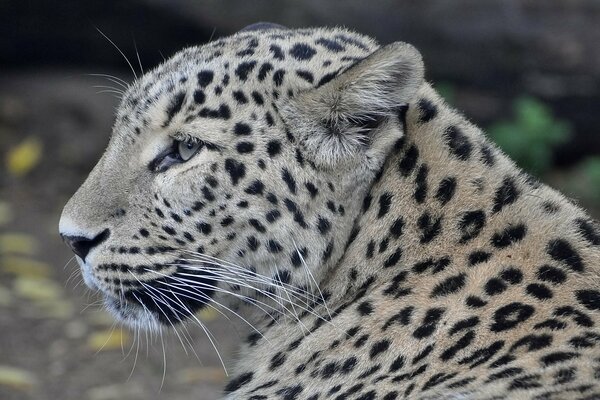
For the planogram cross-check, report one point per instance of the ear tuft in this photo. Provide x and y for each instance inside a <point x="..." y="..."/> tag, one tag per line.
<point x="340" y="118"/>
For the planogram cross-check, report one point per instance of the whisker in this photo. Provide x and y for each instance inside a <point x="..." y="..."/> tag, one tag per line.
<point x="119" y="50"/>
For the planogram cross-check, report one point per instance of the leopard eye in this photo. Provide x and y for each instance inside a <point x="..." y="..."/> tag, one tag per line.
<point x="187" y="149"/>
<point x="179" y="152"/>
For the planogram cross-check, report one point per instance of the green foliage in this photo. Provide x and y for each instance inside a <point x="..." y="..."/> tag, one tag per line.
<point x="447" y="91"/>
<point x="591" y="173"/>
<point x="531" y="135"/>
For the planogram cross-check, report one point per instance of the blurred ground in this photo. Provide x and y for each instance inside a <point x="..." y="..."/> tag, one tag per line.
<point x="55" y="341"/>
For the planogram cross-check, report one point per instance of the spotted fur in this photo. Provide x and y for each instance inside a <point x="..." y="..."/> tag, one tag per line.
<point x="381" y="246"/>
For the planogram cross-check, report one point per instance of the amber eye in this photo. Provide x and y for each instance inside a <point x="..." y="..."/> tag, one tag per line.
<point x="180" y="152"/>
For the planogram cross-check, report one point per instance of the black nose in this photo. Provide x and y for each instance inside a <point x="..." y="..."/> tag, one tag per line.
<point x="82" y="245"/>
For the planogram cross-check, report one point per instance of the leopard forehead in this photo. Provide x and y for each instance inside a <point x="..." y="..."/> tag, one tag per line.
<point x="254" y="68"/>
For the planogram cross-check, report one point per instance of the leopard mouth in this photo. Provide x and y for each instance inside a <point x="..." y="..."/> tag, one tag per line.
<point x="167" y="301"/>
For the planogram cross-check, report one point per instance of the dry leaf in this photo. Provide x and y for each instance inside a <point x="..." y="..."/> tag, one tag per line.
<point x="201" y="374"/>
<point x="18" y="243"/>
<point x="24" y="157"/>
<point x="16" y="378"/>
<point x="36" y="289"/>
<point x="25" y="267"/>
<point x="5" y="213"/>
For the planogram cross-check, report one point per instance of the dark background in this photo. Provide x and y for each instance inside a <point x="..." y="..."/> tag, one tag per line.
<point x="527" y="71"/>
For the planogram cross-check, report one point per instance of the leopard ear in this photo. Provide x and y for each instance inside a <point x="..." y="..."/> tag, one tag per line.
<point x="350" y="114"/>
<point x="262" y="26"/>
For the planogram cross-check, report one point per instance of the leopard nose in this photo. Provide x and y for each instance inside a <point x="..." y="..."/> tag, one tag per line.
<point x="82" y="245"/>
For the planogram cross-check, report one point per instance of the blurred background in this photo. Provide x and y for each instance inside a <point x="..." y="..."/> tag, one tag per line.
<point x="528" y="71"/>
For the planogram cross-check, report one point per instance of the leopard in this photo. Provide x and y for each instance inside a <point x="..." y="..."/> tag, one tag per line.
<point x="371" y="242"/>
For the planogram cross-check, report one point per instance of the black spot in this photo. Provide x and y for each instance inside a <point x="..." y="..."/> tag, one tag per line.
<point x="276" y="361"/>
<point x="548" y="273"/>
<point x="245" y="147"/>
<point x="302" y="51"/>
<point x="509" y="236"/>
<point x="378" y="348"/>
<point x="532" y="342"/>
<point x="349" y="365"/>
<point x="278" y="77"/>
<point x="245" y="68"/>
<point x="235" y="169"/>
<point x="451" y="285"/>
<point x="446" y="190"/>
<point x="510" y="315"/>
<point x="365" y="308"/>
<point x="424" y="353"/>
<point x="298" y="256"/>
<point x="199" y="97"/>
<point x="205" y="78"/>
<point x="277" y="52"/>
<point x="393" y="258"/>
<point x="242" y="129"/>
<point x="409" y="161"/>
<point x="428" y="110"/>
<point x="430" y="227"/>
<point x="471" y="224"/>
<point x="204" y="227"/>
<point x="512" y="275"/>
<point x="306" y="75"/>
<point x="255" y="188"/>
<point x="436" y="265"/>
<point x="403" y="318"/>
<point x="539" y="291"/>
<point x="506" y="194"/>
<point x="385" y="201"/>
<point x="463" y="324"/>
<point x="397" y="364"/>
<point x="459" y="144"/>
<point x="240" y="97"/>
<point x="289" y="393"/>
<point x="328" y="251"/>
<point x="326" y="78"/>
<point x="462" y="343"/>
<point x="257" y="97"/>
<point x="312" y="189"/>
<point x="329" y="370"/>
<point x="481" y="356"/>
<point x="264" y="70"/>
<point x="589" y="231"/>
<point x="396" y="228"/>
<point x="273" y="148"/>
<point x="330" y="45"/>
<point x="253" y="243"/>
<point x="223" y="112"/>
<point x="289" y="180"/>
<point x="238" y="382"/>
<point x="487" y="155"/>
<point x="561" y="250"/>
<point x="590" y="299"/>
<point x="323" y="225"/>
<point x="429" y="323"/>
<point x="257" y="225"/>
<point x="475" y="302"/>
<point x="174" y="107"/>
<point x="558" y="357"/>
<point x="272" y="216"/>
<point x="421" y="184"/>
<point x="494" y="286"/>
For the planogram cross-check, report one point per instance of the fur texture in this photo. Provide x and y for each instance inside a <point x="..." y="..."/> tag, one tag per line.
<point x="379" y="245"/>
